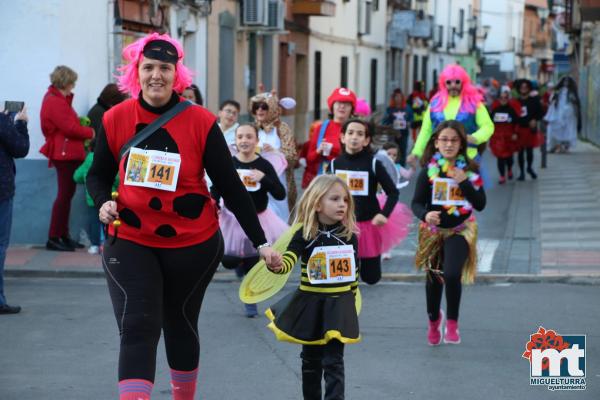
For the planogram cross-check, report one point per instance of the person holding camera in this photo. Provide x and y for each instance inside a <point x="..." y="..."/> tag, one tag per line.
<point x="65" y="151"/>
<point x="14" y="143"/>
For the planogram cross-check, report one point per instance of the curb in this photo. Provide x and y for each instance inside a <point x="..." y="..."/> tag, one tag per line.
<point x="222" y="276"/>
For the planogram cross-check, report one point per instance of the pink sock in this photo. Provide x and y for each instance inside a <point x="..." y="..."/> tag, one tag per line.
<point x="135" y="389"/>
<point x="183" y="384"/>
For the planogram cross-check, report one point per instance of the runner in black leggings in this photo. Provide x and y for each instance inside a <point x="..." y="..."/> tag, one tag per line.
<point x="448" y="231"/>
<point x="162" y="256"/>
<point x="456" y="251"/>
<point x="154" y="290"/>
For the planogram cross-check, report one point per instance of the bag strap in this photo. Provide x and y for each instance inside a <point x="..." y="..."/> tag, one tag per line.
<point x="154" y="126"/>
<point x="322" y="132"/>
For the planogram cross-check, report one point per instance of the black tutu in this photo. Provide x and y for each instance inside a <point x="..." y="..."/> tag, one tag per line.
<point x="315" y="318"/>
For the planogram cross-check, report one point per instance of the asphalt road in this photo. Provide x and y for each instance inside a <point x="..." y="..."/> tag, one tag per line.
<point x="64" y="345"/>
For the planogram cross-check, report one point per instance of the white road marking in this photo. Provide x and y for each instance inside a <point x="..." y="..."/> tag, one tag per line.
<point x="486" y="248"/>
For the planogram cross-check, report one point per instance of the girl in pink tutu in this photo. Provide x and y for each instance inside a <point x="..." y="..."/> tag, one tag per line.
<point x="260" y="179"/>
<point x="398" y="223"/>
<point x="362" y="172"/>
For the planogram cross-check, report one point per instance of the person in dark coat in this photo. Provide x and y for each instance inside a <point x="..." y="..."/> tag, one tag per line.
<point x="14" y="143"/>
<point x="110" y="96"/>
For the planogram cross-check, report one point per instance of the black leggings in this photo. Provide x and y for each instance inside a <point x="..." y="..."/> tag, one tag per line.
<point x="157" y="288"/>
<point x="529" y="151"/>
<point x="456" y="251"/>
<point x="504" y="164"/>
<point x="325" y="360"/>
<point x="370" y="270"/>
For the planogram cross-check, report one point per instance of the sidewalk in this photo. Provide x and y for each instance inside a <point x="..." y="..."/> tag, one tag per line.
<point x="569" y="194"/>
<point x="552" y="232"/>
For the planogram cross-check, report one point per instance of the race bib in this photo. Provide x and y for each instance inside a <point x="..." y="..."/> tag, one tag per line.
<point x="399" y="121"/>
<point x="445" y="192"/>
<point x="502" y="117"/>
<point x="248" y="180"/>
<point x="331" y="264"/>
<point x="523" y="111"/>
<point x="152" y="169"/>
<point x="357" y="181"/>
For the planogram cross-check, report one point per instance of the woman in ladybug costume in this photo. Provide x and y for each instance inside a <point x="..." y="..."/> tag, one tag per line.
<point x="168" y="245"/>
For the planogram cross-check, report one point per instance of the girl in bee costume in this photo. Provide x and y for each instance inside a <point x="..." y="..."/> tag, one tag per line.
<point x="321" y="315"/>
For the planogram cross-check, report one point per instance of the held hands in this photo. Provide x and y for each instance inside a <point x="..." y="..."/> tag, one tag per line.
<point x="108" y="212"/>
<point x="272" y="258"/>
<point x="433" y="217"/>
<point x="257" y="175"/>
<point x="457" y="174"/>
<point x="379" y="220"/>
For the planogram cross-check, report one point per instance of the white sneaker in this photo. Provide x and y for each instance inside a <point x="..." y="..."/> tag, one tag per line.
<point x="93" y="250"/>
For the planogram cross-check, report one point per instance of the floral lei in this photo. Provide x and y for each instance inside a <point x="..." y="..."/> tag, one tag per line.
<point x="437" y="163"/>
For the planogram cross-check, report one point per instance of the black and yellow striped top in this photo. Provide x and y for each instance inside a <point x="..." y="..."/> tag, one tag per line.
<point x="300" y="248"/>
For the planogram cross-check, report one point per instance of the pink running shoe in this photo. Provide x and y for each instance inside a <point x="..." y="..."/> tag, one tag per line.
<point x="452" y="335"/>
<point x="434" y="333"/>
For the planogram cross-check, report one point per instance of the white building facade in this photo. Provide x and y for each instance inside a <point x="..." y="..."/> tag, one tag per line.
<point x="348" y="50"/>
<point x="87" y="37"/>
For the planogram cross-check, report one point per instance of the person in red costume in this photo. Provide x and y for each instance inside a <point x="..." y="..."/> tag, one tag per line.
<point x="162" y="257"/>
<point x="64" y="149"/>
<point x="324" y="143"/>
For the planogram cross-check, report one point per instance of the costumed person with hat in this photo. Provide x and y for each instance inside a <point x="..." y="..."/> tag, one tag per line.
<point x="164" y="244"/>
<point x="504" y="141"/>
<point x="277" y="145"/>
<point x="324" y="142"/>
<point x="447" y="191"/>
<point x="527" y="127"/>
<point x="457" y="99"/>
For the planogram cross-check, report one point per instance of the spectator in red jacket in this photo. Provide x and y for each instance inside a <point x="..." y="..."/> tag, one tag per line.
<point x="65" y="151"/>
<point x="324" y="141"/>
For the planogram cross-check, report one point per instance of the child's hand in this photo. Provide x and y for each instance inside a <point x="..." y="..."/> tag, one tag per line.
<point x="267" y="147"/>
<point x="379" y="220"/>
<point x="433" y="217"/>
<point x="457" y="174"/>
<point x="272" y="258"/>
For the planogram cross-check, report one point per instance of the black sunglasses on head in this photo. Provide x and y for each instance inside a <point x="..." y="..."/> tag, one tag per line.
<point x="455" y="81"/>
<point x="262" y="106"/>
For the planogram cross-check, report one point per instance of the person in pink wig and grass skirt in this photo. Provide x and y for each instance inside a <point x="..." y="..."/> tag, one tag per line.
<point x="161" y="257"/>
<point x="447" y="245"/>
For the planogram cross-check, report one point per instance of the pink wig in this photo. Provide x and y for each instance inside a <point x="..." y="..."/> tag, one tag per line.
<point x="129" y="81"/>
<point x="470" y="96"/>
<point x="362" y="109"/>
